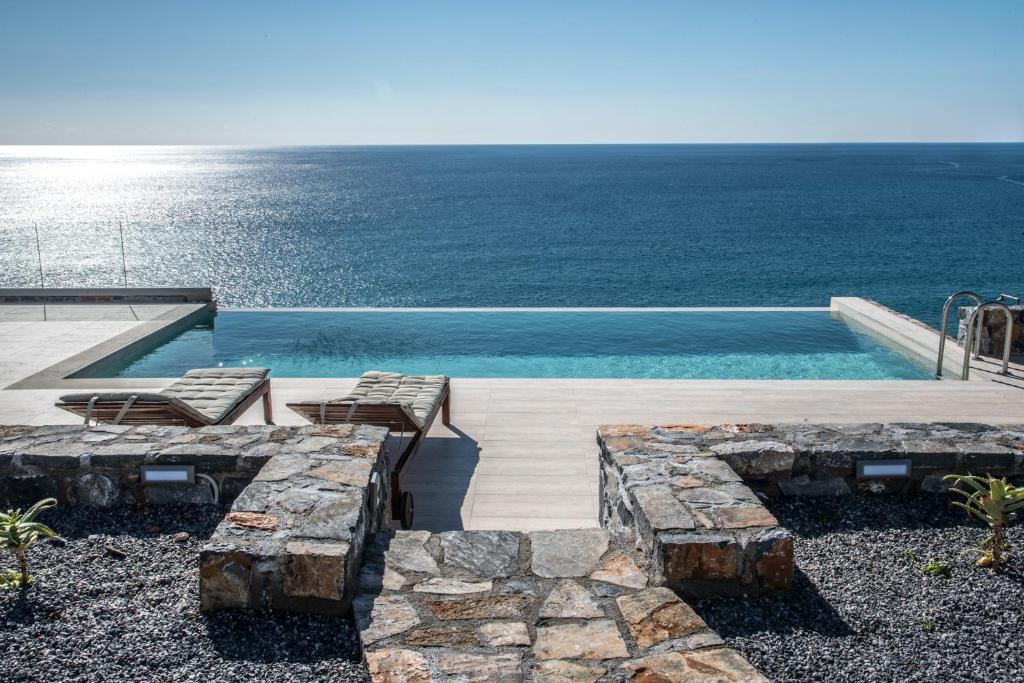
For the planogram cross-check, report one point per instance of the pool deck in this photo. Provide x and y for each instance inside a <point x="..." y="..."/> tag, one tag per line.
<point x="521" y="453"/>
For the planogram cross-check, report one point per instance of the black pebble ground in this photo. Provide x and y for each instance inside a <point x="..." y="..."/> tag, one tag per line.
<point x="861" y="609"/>
<point x="131" y="612"/>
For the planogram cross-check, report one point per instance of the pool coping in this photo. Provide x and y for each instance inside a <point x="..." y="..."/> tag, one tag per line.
<point x="104" y="295"/>
<point x="537" y="309"/>
<point x="906" y="333"/>
<point x="60" y="375"/>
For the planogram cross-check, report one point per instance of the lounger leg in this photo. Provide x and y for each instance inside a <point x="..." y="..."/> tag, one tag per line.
<point x="268" y="411"/>
<point x="446" y="409"/>
<point x="396" y="495"/>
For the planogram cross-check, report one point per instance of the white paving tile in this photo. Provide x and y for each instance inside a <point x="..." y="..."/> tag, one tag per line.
<point x="531" y="523"/>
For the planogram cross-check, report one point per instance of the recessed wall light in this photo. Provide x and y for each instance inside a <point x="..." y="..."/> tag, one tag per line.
<point x="168" y="474"/>
<point x="883" y="469"/>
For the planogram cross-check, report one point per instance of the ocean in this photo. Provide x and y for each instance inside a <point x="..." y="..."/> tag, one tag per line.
<point x="589" y="225"/>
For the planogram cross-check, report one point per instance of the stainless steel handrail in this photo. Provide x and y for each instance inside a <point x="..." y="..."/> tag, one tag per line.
<point x="970" y="336"/>
<point x="945" y="321"/>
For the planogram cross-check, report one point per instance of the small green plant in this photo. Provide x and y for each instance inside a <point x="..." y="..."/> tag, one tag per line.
<point x="18" y="532"/>
<point x="909" y="556"/>
<point x="993" y="501"/>
<point x="928" y="625"/>
<point x="935" y="567"/>
<point x="12" y="579"/>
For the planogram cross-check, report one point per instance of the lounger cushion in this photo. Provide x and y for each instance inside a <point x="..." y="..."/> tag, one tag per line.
<point x="115" y="396"/>
<point x="207" y="394"/>
<point x="421" y="393"/>
<point x="214" y="392"/>
<point x="140" y="398"/>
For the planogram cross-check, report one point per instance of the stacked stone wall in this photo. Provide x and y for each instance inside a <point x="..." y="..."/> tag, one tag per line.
<point x="100" y="466"/>
<point x="294" y="537"/>
<point x="993" y="330"/>
<point x="687" y="494"/>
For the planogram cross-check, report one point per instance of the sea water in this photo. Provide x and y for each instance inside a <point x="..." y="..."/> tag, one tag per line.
<point x="630" y="225"/>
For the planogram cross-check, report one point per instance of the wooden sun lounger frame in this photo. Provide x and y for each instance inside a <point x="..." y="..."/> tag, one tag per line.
<point x="142" y="412"/>
<point x="397" y="417"/>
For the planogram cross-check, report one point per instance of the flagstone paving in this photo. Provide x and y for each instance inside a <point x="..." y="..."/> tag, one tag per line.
<point x="590" y="619"/>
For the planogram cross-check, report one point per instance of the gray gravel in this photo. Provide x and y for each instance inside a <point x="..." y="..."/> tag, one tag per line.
<point x="93" y="616"/>
<point x="860" y="609"/>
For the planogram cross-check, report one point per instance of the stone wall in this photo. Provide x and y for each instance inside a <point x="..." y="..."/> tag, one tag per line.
<point x="821" y="459"/>
<point x="993" y="330"/>
<point x="294" y="537"/>
<point x="683" y="493"/>
<point x="546" y="606"/>
<point x="705" y="531"/>
<point x="99" y="466"/>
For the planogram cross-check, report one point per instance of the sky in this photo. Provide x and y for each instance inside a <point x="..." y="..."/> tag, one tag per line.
<point x="330" y="72"/>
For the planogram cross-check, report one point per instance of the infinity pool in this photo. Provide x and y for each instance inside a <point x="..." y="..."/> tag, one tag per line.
<point x="685" y="344"/>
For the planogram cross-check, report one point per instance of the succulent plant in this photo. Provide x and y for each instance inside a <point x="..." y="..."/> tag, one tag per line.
<point x="18" y="532"/>
<point x="935" y="567"/>
<point x="993" y="501"/>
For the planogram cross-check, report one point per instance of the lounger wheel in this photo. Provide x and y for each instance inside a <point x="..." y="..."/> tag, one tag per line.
<point x="406" y="509"/>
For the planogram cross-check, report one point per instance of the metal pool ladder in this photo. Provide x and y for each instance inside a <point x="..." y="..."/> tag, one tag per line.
<point x="974" y="326"/>
<point x="945" y="320"/>
<point x="1008" y="333"/>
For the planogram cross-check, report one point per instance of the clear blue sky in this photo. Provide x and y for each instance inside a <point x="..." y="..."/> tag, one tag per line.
<point x="294" y="72"/>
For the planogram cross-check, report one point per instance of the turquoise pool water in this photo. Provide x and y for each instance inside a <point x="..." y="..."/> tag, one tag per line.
<point x="633" y="344"/>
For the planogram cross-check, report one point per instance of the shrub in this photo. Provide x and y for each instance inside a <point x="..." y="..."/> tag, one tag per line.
<point x="993" y="501"/>
<point x="935" y="567"/>
<point x="18" y="532"/>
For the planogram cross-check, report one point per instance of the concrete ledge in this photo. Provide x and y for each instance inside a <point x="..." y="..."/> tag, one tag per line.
<point x="110" y="295"/>
<point x="918" y="339"/>
<point x="905" y="332"/>
<point x="65" y="375"/>
<point x="534" y="309"/>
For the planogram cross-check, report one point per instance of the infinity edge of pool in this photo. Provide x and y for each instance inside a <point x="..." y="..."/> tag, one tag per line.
<point x="805" y="343"/>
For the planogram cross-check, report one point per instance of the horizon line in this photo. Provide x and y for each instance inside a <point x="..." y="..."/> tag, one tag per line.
<point x="507" y="144"/>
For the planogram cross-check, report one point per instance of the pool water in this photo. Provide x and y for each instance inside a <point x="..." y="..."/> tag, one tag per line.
<point x="682" y="344"/>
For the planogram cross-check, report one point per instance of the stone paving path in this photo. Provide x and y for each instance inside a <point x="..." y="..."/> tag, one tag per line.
<point x="566" y="606"/>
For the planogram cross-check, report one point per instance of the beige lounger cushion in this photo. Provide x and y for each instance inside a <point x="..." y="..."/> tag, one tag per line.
<point x="140" y="399"/>
<point x="214" y="392"/>
<point x="207" y="394"/>
<point x="420" y="393"/>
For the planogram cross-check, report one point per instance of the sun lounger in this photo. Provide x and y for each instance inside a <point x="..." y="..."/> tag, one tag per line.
<point x="402" y="403"/>
<point x="208" y="396"/>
